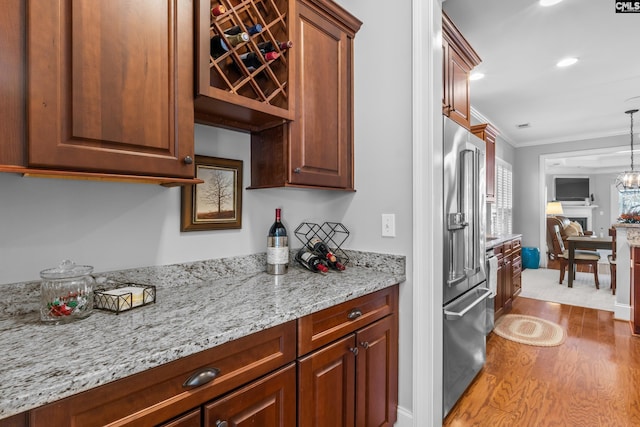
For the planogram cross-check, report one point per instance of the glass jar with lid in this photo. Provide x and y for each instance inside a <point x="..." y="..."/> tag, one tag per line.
<point x="66" y="292"/>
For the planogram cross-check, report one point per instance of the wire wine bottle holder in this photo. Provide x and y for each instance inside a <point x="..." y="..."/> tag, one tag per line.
<point x="333" y="234"/>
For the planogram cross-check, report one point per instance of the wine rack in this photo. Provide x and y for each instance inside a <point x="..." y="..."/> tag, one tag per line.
<point x="333" y="234"/>
<point x="230" y="93"/>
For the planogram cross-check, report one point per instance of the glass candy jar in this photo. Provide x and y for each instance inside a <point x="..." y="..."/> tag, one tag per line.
<point x="66" y="292"/>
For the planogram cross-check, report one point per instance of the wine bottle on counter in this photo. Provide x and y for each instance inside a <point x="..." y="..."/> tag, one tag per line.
<point x="269" y="47"/>
<point x="220" y="46"/>
<point x="318" y="246"/>
<point x="252" y="60"/>
<point x="277" y="247"/>
<point x="236" y="29"/>
<point x="311" y="261"/>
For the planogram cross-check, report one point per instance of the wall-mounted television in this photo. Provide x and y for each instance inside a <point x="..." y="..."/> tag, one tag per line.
<point x="572" y="189"/>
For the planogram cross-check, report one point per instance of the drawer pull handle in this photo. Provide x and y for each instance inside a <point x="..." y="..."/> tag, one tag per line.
<point x="354" y="350"/>
<point x="222" y="423"/>
<point x="355" y="313"/>
<point x="201" y="377"/>
<point x="365" y="344"/>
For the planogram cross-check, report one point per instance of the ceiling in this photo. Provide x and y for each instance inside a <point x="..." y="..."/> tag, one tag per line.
<point x="520" y="42"/>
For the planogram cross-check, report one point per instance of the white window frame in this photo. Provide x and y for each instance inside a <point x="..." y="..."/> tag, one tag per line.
<point x="502" y="214"/>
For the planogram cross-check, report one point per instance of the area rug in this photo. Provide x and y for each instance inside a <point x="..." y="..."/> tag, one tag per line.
<point x="542" y="284"/>
<point x="529" y="330"/>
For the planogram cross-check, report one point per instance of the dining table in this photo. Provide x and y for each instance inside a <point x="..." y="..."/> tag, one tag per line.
<point x="585" y="242"/>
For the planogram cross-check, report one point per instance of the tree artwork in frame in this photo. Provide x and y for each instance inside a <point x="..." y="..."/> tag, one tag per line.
<point x="215" y="204"/>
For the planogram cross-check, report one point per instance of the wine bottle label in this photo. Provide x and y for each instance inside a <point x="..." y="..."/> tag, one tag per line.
<point x="278" y="255"/>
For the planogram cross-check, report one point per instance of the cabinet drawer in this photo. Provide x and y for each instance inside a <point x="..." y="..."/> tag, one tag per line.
<point x="267" y="402"/>
<point x="516" y="266"/>
<point x="325" y="326"/>
<point x="516" y="244"/>
<point x="157" y="395"/>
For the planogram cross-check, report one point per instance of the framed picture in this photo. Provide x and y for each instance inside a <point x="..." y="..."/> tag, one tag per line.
<point x="215" y="204"/>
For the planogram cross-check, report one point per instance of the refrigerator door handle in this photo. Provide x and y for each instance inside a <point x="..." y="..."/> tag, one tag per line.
<point x="453" y="315"/>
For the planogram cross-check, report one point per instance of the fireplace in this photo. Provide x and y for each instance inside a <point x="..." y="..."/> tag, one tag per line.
<point x="580" y="220"/>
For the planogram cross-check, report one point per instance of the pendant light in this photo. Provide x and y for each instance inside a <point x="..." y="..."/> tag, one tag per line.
<point x="629" y="180"/>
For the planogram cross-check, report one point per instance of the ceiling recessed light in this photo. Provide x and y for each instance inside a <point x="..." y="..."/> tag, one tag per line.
<point x="547" y="3"/>
<point x="476" y="76"/>
<point x="566" y="62"/>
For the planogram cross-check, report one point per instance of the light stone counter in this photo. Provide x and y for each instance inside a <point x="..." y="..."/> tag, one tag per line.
<point x="198" y="306"/>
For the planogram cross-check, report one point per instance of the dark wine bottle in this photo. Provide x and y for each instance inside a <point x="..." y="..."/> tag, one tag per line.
<point x="277" y="247"/>
<point x="252" y="60"/>
<point x="268" y="46"/>
<point x="311" y="261"/>
<point x="318" y="246"/>
<point x="236" y="29"/>
<point x="220" y="46"/>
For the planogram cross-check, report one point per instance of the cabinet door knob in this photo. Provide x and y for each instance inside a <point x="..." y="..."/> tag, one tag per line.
<point x="188" y="160"/>
<point x="354" y="314"/>
<point x="201" y="377"/>
<point x="364" y="344"/>
<point x="297" y="170"/>
<point x="221" y="423"/>
<point x="354" y="350"/>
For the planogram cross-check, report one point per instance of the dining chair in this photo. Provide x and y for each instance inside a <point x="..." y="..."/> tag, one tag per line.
<point x="581" y="257"/>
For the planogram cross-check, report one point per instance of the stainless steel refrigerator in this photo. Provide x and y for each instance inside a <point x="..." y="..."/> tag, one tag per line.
<point x="465" y="281"/>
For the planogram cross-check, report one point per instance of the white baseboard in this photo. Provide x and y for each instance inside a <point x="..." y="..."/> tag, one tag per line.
<point x="405" y="418"/>
<point x="621" y="311"/>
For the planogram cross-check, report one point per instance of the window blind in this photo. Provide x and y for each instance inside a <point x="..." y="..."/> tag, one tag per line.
<point x="503" y="216"/>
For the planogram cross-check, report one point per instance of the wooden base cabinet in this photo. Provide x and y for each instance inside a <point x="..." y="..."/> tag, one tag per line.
<point x="509" y="282"/>
<point x="268" y="402"/>
<point x="635" y="290"/>
<point x="354" y="380"/>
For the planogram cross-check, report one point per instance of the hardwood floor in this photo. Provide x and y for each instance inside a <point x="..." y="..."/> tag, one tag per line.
<point x="593" y="379"/>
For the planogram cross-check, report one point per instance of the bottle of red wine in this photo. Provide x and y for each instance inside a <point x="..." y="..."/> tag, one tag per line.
<point x="318" y="246"/>
<point x="220" y="46"/>
<point x="236" y="29"/>
<point x="252" y="60"/>
<point x="218" y="10"/>
<point x="311" y="261"/>
<point x="268" y="46"/>
<point x="277" y="247"/>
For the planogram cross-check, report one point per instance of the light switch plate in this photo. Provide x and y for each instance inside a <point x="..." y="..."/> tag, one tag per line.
<point x="388" y="225"/>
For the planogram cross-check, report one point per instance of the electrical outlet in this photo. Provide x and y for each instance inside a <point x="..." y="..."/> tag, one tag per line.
<point x="388" y="225"/>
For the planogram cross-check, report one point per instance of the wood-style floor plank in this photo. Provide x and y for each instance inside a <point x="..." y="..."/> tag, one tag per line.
<point x="592" y="379"/>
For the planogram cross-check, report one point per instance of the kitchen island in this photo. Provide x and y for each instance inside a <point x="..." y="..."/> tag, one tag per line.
<point x="199" y="306"/>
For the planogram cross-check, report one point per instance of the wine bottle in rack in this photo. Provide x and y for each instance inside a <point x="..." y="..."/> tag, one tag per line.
<point x="277" y="247"/>
<point x="318" y="246"/>
<point x="268" y="46"/>
<point x="236" y="29"/>
<point x="252" y="60"/>
<point x="218" y="10"/>
<point x="311" y="261"/>
<point x="220" y="46"/>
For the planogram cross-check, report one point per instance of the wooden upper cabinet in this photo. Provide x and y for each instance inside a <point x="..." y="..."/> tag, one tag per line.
<point x="316" y="148"/>
<point x="459" y="59"/>
<point x="110" y="86"/>
<point x="488" y="134"/>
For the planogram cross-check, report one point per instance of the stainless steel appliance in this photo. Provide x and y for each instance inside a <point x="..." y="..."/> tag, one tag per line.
<point x="465" y="287"/>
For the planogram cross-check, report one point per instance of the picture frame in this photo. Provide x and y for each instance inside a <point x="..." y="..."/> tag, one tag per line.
<point x="215" y="204"/>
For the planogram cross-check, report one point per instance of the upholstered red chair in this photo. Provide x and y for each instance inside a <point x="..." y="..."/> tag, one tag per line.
<point x="582" y="257"/>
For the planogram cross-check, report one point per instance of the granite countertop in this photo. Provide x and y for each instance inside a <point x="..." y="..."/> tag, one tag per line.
<point x="493" y="241"/>
<point x="198" y="306"/>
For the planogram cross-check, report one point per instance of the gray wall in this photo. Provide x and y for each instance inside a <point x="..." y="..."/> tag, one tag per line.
<point x="116" y="225"/>
<point x="527" y="195"/>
